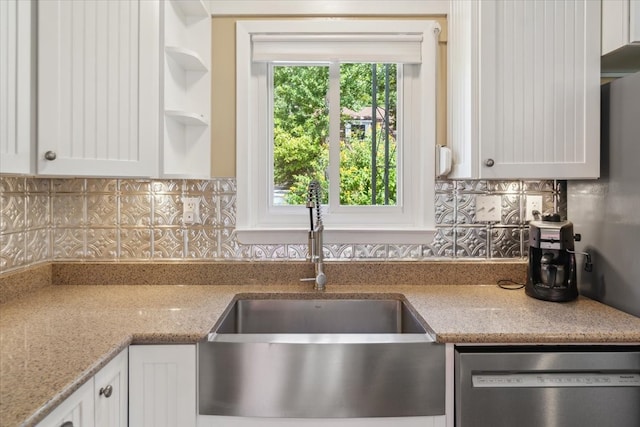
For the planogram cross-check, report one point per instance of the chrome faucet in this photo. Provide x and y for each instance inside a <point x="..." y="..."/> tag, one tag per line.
<point x="315" y="236"/>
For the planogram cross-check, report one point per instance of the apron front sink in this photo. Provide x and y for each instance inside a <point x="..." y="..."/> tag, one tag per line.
<point x="321" y="358"/>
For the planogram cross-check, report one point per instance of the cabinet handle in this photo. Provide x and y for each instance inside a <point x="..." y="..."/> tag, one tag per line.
<point x="489" y="162"/>
<point x="106" y="391"/>
<point x="50" y="155"/>
<point x="67" y="424"/>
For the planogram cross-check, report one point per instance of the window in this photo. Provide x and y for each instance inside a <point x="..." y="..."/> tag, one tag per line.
<point x="367" y="122"/>
<point x="302" y="99"/>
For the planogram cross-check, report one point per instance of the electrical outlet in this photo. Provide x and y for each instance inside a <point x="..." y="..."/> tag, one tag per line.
<point x="534" y="203"/>
<point x="191" y="210"/>
<point x="489" y="208"/>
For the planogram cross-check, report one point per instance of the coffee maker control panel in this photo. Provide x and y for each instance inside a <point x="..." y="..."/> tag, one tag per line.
<point x="551" y="235"/>
<point x="550" y="239"/>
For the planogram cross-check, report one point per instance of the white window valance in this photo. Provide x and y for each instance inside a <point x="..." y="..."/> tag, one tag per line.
<point x="341" y="47"/>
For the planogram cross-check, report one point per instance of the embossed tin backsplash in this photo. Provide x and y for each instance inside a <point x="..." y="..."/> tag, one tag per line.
<point x="141" y="220"/>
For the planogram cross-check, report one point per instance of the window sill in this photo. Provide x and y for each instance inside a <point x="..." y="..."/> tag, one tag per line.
<point x="336" y="236"/>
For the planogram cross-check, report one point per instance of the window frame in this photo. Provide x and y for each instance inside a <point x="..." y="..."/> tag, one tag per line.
<point x="412" y="221"/>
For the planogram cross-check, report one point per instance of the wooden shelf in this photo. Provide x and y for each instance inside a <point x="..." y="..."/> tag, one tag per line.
<point x="192" y="8"/>
<point x="186" y="117"/>
<point x="187" y="59"/>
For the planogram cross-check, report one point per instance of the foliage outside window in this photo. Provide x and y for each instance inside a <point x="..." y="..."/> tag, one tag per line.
<point x="301" y="130"/>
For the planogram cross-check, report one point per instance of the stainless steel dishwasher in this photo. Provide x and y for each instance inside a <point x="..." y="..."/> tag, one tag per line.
<point x="547" y="386"/>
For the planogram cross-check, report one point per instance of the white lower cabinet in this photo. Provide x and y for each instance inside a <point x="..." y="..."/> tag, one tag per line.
<point x="162" y="385"/>
<point x="111" y="393"/>
<point x="75" y="411"/>
<point x="100" y="402"/>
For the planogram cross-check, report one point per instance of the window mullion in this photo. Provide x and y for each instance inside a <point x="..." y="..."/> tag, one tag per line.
<point x="334" y="136"/>
<point x="269" y="137"/>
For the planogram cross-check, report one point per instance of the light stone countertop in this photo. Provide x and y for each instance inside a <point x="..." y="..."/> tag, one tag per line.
<point x="56" y="338"/>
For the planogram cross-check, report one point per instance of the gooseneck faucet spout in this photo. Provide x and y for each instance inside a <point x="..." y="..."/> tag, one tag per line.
<point x="315" y="236"/>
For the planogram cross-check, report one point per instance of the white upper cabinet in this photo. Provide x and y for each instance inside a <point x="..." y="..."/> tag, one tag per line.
<point x="98" y="88"/>
<point x="17" y="86"/>
<point x="124" y="88"/>
<point x="187" y="89"/>
<point x="620" y="36"/>
<point x="620" y="24"/>
<point x="524" y="89"/>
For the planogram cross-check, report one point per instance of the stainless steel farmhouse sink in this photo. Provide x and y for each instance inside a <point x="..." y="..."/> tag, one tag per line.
<point x="321" y="358"/>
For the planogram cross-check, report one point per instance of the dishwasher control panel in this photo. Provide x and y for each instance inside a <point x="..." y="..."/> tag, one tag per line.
<point x="527" y="379"/>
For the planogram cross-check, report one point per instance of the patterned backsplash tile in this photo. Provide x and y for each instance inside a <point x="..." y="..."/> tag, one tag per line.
<point x="141" y="220"/>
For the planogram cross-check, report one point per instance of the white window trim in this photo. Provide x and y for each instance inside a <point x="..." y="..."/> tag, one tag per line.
<point x="255" y="220"/>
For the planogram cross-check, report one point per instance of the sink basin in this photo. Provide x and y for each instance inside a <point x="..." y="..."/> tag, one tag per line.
<point x="321" y="358"/>
<point x="319" y="316"/>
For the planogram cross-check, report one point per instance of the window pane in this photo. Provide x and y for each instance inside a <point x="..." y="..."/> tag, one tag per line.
<point x="300" y="131"/>
<point x="368" y="150"/>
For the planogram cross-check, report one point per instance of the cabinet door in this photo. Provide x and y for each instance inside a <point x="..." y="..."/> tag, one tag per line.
<point x="77" y="409"/>
<point x="634" y="22"/>
<point x="162" y="385"/>
<point x="526" y="89"/>
<point x="17" y="83"/>
<point x="111" y="393"/>
<point x="98" y="87"/>
<point x="620" y="24"/>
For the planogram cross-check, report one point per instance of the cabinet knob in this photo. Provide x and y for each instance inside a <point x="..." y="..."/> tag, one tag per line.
<point x="50" y="155"/>
<point x="106" y="391"/>
<point x="67" y="424"/>
<point x="489" y="162"/>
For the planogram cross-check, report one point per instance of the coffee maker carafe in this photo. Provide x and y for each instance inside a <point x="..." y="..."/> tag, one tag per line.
<point x="551" y="272"/>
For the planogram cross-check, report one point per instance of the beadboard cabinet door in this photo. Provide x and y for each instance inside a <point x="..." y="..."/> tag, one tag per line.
<point x="75" y="411"/>
<point x="162" y="385"/>
<point x="17" y="86"/>
<point x="98" y="87"/>
<point x="111" y="393"/>
<point x="100" y="402"/>
<point x="524" y="88"/>
<point x="620" y="25"/>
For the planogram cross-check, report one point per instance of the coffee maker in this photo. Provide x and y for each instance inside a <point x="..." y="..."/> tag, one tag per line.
<point x="551" y="274"/>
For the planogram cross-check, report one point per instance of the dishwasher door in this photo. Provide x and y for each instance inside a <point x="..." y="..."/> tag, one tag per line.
<point x="544" y="386"/>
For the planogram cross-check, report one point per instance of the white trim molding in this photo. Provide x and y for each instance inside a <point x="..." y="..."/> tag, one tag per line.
<point x="328" y="7"/>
